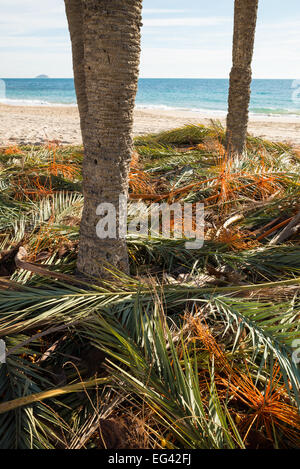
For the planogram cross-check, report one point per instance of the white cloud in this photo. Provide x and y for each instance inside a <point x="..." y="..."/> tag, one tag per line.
<point x="35" y="39"/>
<point x="182" y="63"/>
<point x="276" y="51"/>
<point x="160" y="10"/>
<point x="201" y="21"/>
<point x="32" y="42"/>
<point x="31" y="64"/>
<point x="27" y="25"/>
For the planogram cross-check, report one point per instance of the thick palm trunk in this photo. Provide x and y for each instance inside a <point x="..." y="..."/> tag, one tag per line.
<point x="74" y="10"/>
<point x="111" y="46"/>
<point x="245" y="16"/>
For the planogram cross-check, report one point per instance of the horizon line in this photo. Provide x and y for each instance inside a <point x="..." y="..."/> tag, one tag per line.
<point x="144" y="78"/>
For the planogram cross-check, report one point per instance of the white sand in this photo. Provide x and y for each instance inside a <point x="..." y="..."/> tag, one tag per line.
<point x="36" y="125"/>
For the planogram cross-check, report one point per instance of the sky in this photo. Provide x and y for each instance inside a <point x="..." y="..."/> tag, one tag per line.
<point x="180" y="39"/>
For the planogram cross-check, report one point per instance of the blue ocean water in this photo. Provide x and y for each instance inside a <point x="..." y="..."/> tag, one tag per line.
<point x="269" y="97"/>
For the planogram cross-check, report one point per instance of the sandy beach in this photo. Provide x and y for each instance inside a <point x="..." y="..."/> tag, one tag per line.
<point x="37" y="125"/>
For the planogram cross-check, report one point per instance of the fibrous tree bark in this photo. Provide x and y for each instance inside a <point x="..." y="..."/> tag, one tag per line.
<point x="245" y="18"/>
<point x="105" y="36"/>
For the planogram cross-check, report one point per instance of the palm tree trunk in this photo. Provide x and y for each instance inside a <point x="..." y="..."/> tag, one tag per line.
<point x="111" y="46"/>
<point x="245" y="17"/>
<point x="74" y="11"/>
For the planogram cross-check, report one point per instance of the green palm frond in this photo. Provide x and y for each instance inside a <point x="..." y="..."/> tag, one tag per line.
<point x="188" y="134"/>
<point x="249" y="298"/>
<point x="34" y="425"/>
<point x="167" y="384"/>
<point x="267" y="262"/>
<point x="272" y="329"/>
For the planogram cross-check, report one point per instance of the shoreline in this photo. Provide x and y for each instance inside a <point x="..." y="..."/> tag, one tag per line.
<point x="38" y="124"/>
<point x="192" y="112"/>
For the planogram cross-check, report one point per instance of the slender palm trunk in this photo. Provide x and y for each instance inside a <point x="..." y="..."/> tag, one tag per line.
<point x="110" y="48"/>
<point x="245" y="17"/>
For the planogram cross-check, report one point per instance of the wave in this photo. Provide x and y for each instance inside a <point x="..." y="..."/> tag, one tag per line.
<point x="164" y="107"/>
<point x="263" y="112"/>
<point x="254" y="111"/>
<point x="272" y="111"/>
<point x="33" y="102"/>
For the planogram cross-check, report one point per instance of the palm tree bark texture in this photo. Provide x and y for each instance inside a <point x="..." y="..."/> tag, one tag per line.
<point x="245" y="17"/>
<point x="105" y="36"/>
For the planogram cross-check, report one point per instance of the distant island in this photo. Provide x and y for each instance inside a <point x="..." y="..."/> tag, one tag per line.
<point x="42" y="76"/>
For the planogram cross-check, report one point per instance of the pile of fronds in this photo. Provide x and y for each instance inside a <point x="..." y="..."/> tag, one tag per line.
<point x="197" y="348"/>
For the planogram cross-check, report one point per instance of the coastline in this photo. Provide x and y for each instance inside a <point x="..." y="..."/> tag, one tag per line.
<point x="38" y="124"/>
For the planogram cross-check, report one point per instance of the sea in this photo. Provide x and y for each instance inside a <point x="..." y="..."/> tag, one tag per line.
<point x="268" y="97"/>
